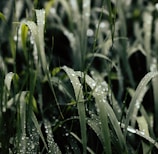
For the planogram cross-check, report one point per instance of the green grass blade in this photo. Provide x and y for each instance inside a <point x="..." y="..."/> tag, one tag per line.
<point x="138" y="91"/>
<point x="2" y="17"/>
<point x="38" y="37"/>
<point x="112" y="24"/>
<point x="93" y="123"/>
<point x="78" y="139"/>
<point x="52" y="146"/>
<point x="147" y="28"/>
<point x="105" y="111"/>
<point x="8" y="79"/>
<point x="100" y="101"/>
<point x="153" y="68"/>
<point x="40" y="14"/>
<point x="34" y="119"/>
<point x="143" y="126"/>
<point x="80" y="104"/>
<point x="24" y="34"/>
<point x="141" y="134"/>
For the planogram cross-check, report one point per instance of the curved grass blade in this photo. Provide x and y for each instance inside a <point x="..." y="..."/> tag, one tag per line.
<point x="153" y="68"/>
<point x="8" y="79"/>
<point x="93" y="123"/>
<point x="80" y="104"/>
<point x="52" y="146"/>
<point x="141" y="134"/>
<point x="138" y="91"/>
<point x="38" y="36"/>
<point x="105" y="111"/>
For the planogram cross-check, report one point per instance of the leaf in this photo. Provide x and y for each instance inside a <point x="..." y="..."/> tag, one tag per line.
<point x="38" y="36"/>
<point x="133" y="104"/>
<point x="2" y="16"/>
<point x="8" y="79"/>
<point x="52" y="146"/>
<point x="34" y="119"/>
<point x="143" y="126"/>
<point x="105" y="110"/>
<point x="80" y="104"/>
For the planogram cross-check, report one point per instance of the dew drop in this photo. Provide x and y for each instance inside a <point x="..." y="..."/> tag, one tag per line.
<point x="53" y="10"/>
<point x="67" y="134"/>
<point x="156" y="6"/>
<point x="90" y="32"/>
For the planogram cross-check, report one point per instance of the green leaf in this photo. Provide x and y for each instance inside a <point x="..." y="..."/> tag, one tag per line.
<point x="143" y="126"/>
<point x="105" y="112"/>
<point x="8" y="80"/>
<point x="2" y="16"/>
<point x="80" y="104"/>
<point x="133" y="104"/>
<point x="34" y="119"/>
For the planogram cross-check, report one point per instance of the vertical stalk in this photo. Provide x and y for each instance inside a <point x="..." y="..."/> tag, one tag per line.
<point x="123" y="33"/>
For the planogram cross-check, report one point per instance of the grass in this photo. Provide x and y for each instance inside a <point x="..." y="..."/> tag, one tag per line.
<point x="78" y="76"/>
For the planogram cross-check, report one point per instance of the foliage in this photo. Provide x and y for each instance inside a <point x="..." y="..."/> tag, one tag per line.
<point x="78" y="76"/>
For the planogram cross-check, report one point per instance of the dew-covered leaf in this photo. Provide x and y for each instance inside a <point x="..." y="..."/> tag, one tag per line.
<point x="52" y="146"/>
<point x="143" y="126"/>
<point x="138" y="92"/>
<point x="80" y="103"/>
<point x="9" y="78"/>
<point x="105" y="111"/>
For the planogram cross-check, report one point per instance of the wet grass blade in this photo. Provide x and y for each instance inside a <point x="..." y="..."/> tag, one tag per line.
<point x="34" y="119"/>
<point x="143" y="126"/>
<point x="153" y="68"/>
<point x="52" y="146"/>
<point x="37" y="31"/>
<point x="105" y="112"/>
<point x="78" y="139"/>
<point x="80" y="103"/>
<point x="138" y="92"/>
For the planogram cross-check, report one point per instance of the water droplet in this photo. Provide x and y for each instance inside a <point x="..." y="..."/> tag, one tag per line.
<point x="137" y="104"/>
<point x="142" y="132"/>
<point x="102" y="25"/>
<point x="86" y="4"/>
<point x="67" y="134"/>
<point x="87" y="14"/>
<point x="15" y="38"/>
<point x="53" y="10"/>
<point x="90" y="32"/>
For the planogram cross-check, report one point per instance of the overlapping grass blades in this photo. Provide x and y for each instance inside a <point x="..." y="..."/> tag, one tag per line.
<point x="37" y="31"/>
<point x="143" y="126"/>
<point x="23" y="100"/>
<point x="138" y="92"/>
<point x="80" y="104"/>
<point x="52" y="146"/>
<point x="105" y="112"/>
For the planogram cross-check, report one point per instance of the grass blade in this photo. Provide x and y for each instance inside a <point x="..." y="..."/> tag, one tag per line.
<point x="138" y="91"/>
<point x="80" y="104"/>
<point x="52" y="146"/>
<point x="105" y="111"/>
<point x="143" y="126"/>
<point x="34" y="119"/>
<point x="38" y="37"/>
